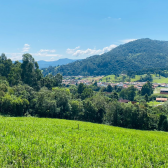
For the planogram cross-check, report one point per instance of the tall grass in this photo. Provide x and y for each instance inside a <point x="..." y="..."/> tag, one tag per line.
<point x="34" y="142"/>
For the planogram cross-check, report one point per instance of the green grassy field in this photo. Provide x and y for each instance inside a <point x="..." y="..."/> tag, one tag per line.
<point x="34" y="142"/>
<point x="156" y="79"/>
<point x="154" y="103"/>
<point x="160" y="79"/>
<point x="111" y="78"/>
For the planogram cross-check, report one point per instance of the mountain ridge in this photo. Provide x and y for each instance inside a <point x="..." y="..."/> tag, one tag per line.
<point x="46" y="64"/>
<point x="133" y="56"/>
<point x="63" y="61"/>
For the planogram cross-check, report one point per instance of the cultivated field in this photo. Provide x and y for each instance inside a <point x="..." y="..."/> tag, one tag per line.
<point x="35" y="142"/>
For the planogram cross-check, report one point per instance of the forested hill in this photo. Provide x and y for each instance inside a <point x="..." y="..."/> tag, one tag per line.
<point x="136" y="55"/>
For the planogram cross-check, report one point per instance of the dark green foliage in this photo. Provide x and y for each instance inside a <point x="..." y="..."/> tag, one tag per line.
<point x="76" y="109"/>
<point x="165" y="125"/>
<point x="133" y="56"/>
<point x="109" y="88"/>
<point x="127" y="115"/>
<point x="81" y="88"/>
<point x="147" y="89"/>
<point x="162" y="119"/>
<point x="114" y="95"/>
<point x="27" y="72"/>
<point x="146" y="97"/>
<point x="5" y="65"/>
<point x="148" y="77"/>
<point x="128" y="93"/>
<point x="14" y="76"/>
<point x="30" y="74"/>
<point x="87" y="92"/>
<point x="51" y="81"/>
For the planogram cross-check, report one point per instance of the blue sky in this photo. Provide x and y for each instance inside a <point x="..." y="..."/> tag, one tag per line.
<point x="76" y="29"/>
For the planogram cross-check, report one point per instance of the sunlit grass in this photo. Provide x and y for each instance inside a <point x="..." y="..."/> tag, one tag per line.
<point x="154" y="103"/>
<point x="161" y="79"/>
<point x="34" y="142"/>
<point x="112" y="79"/>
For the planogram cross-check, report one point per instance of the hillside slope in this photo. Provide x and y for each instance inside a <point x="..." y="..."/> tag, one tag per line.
<point x="37" y="142"/>
<point x="135" y="55"/>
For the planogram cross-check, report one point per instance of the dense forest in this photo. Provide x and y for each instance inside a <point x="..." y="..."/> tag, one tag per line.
<point x="25" y="92"/>
<point x="133" y="56"/>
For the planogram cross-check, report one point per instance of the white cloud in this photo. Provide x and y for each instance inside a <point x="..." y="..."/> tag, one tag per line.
<point x="46" y="53"/>
<point x="111" y="18"/>
<point x="26" y="48"/>
<point x="14" y="56"/>
<point x="71" y="51"/>
<point x="127" y="40"/>
<point x="41" y="54"/>
<point x="51" y="59"/>
<point x="76" y="52"/>
<point x="106" y="49"/>
<point x="44" y="50"/>
<point x="38" y="54"/>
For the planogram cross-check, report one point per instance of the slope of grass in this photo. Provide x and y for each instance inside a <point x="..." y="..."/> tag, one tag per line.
<point x="137" y="77"/>
<point x="34" y="142"/>
<point x="156" y="79"/>
<point x="161" y="79"/>
<point x="111" y="78"/>
<point x="154" y="103"/>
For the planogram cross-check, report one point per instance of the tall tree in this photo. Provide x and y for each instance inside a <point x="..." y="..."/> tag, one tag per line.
<point x="147" y="89"/>
<point x="81" y="88"/>
<point x="30" y="71"/>
<point x="109" y="88"/>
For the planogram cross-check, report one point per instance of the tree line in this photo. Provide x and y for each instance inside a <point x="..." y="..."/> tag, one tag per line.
<point x="25" y="92"/>
<point x="27" y="72"/>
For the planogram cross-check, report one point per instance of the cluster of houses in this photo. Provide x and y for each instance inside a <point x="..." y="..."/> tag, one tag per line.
<point x="80" y="79"/>
<point x="137" y="85"/>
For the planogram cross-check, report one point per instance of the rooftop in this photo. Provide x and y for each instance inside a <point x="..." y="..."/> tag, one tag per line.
<point x="164" y="90"/>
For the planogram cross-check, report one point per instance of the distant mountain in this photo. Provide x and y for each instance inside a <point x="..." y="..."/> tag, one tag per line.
<point x="136" y="55"/>
<point x="46" y="64"/>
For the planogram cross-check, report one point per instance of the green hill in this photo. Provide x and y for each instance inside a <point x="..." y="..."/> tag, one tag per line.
<point x="134" y="56"/>
<point x="35" y="142"/>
